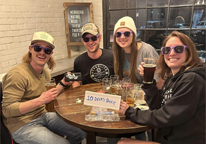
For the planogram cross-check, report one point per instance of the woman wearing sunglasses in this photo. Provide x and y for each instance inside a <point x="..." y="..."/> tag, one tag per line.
<point x="178" y="110"/>
<point x="128" y="54"/>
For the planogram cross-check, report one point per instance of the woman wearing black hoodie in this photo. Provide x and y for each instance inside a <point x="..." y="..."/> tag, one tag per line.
<point x="178" y="109"/>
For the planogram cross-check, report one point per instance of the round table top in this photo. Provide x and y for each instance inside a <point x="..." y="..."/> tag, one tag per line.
<point x="74" y="113"/>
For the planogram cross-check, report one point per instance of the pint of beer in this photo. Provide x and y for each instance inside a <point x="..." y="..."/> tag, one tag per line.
<point x="106" y="85"/>
<point x="50" y="85"/>
<point x="149" y="70"/>
<point x="114" y="84"/>
<point x="130" y="100"/>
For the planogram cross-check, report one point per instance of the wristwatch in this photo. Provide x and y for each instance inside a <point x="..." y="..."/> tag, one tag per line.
<point x="60" y="82"/>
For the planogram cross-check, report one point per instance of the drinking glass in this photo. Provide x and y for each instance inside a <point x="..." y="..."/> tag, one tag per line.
<point x="106" y="85"/>
<point x="126" y="87"/>
<point x="149" y="70"/>
<point x="131" y="95"/>
<point x="120" y="88"/>
<point x="114" y="84"/>
<point x="126" y="80"/>
<point x="51" y="84"/>
<point x="138" y="94"/>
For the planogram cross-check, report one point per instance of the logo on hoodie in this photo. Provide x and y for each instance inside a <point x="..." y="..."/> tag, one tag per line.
<point x="167" y="95"/>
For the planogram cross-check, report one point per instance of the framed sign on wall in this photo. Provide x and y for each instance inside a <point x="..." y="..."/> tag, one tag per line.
<point x="76" y="16"/>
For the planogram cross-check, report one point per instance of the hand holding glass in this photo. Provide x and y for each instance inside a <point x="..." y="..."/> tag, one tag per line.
<point x="50" y="85"/>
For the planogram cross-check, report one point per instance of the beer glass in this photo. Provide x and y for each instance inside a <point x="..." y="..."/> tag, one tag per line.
<point x="126" y="87"/>
<point x="139" y="94"/>
<point x="131" y="95"/>
<point x="149" y="70"/>
<point x="51" y="84"/>
<point x="106" y="85"/>
<point x="130" y="100"/>
<point x="114" y="84"/>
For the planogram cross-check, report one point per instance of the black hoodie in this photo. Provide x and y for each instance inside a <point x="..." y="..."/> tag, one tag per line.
<point x="178" y="110"/>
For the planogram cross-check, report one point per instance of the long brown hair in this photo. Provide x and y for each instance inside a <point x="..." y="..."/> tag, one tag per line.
<point x="27" y="59"/>
<point x="119" y="58"/>
<point x="192" y="60"/>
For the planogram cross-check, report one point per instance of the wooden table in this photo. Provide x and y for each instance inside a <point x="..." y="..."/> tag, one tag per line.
<point x="74" y="113"/>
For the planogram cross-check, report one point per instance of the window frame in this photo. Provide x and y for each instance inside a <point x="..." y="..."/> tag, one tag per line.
<point x="106" y="20"/>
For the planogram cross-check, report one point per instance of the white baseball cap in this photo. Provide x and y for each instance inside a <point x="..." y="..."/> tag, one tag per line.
<point x="43" y="36"/>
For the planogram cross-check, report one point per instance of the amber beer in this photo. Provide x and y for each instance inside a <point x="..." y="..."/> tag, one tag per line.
<point x="50" y="85"/>
<point x="149" y="70"/>
<point x="130" y="101"/>
<point x="114" y="90"/>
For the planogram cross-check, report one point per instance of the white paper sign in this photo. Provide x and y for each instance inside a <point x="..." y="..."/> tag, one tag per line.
<point x="102" y="100"/>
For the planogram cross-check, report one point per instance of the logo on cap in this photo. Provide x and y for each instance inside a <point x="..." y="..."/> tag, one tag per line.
<point x="122" y="24"/>
<point x="88" y="27"/>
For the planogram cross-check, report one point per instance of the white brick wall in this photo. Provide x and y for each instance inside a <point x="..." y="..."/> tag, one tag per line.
<point x="20" y="19"/>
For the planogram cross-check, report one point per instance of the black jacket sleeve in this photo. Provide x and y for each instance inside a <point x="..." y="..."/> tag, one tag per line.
<point x="185" y="100"/>
<point x="153" y="96"/>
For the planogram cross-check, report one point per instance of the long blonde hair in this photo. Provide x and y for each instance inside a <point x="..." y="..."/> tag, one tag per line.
<point x="119" y="58"/>
<point x="192" y="60"/>
<point x="27" y="59"/>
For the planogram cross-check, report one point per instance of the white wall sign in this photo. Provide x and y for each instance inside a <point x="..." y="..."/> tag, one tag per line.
<point x="102" y="100"/>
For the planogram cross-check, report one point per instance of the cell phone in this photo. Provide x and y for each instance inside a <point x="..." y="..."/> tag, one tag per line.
<point x="73" y="77"/>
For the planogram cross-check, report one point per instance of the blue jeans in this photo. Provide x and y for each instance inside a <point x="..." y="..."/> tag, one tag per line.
<point x="48" y="129"/>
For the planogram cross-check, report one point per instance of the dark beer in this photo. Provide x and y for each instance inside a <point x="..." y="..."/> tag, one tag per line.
<point x="149" y="70"/>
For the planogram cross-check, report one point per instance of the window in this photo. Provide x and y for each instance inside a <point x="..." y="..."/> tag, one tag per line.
<point x="156" y="19"/>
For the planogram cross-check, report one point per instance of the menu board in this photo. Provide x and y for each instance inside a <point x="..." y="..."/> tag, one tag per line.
<point x="76" y="16"/>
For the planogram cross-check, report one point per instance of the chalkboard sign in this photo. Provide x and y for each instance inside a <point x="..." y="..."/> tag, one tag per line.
<point x="76" y="16"/>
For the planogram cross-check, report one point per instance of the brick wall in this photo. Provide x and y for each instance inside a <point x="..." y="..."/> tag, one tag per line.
<point x="20" y="19"/>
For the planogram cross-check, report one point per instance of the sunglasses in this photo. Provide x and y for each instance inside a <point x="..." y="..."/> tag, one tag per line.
<point x="37" y="48"/>
<point x="178" y="49"/>
<point x="126" y="34"/>
<point x="93" y="38"/>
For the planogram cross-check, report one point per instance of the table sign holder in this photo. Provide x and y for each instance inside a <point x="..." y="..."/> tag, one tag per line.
<point x="100" y="102"/>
